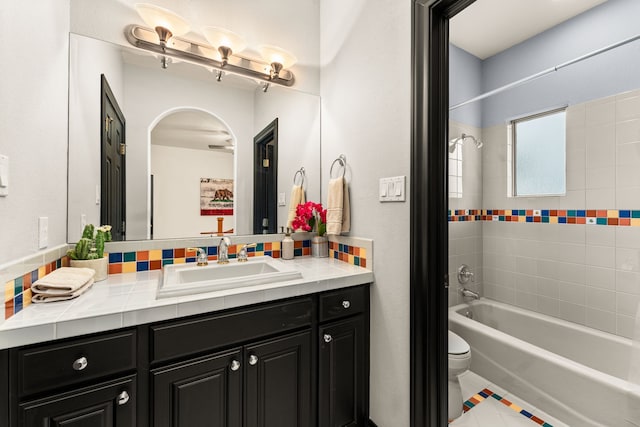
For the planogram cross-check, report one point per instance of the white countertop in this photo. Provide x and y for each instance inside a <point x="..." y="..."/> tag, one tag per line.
<point x="130" y="299"/>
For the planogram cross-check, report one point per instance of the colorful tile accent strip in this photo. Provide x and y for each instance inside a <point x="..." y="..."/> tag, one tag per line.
<point x="349" y="254"/>
<point x="609" y="217"/>
<point x="478" y="398"/>
<point x="17" y="292"/>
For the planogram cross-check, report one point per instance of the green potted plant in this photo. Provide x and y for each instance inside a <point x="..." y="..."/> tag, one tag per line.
<point x="89" y="251"/>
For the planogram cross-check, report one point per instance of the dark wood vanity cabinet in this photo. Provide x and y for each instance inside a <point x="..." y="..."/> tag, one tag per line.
<point x="300" y="362"/>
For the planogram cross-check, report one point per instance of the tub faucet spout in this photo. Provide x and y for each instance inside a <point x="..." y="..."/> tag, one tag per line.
<point x="469" y="293"/>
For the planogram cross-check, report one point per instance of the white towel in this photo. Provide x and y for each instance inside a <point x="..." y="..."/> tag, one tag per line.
<point x="63" y="281"/>
<point x="346" y="209"/>
<point x="335" y="204"/>
<point x="297" y="198"/>
<point x="52" y="297"/>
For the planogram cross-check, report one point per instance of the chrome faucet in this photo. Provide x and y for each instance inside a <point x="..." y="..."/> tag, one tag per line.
<point x="202" y="259"/>
<point x="469" y="293"/>
<point x="242" y="255"/>
<point x="465" y="274"/>
<point x="223" y="250"/>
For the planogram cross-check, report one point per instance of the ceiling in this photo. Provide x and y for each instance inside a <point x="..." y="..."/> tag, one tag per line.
<point x="194" y="129"/>
<point x="488" y="27"/>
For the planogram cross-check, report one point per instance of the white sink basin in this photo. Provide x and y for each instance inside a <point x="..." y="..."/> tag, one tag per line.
<point x="187" y="279"/>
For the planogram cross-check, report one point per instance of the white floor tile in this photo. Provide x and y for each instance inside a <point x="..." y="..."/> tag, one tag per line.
<point x="492" y="413"/>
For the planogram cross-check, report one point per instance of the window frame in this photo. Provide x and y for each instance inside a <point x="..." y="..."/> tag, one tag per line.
<point x="513" y="146"/>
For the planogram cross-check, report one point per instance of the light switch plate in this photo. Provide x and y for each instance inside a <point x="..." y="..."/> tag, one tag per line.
<point x="43" y="232"/>
<point x="392" y="189"/>
<point x="4" y="175"/>
<point x="282" y="199"/>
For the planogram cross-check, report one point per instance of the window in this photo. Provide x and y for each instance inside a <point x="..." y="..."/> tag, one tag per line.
<point x="455" y="172"/>
<point x="539" y="154"/>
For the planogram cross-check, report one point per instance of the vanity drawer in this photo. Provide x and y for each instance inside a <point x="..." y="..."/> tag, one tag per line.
<point x="343" y="302"/>
<point x="58" y="365"/>
<point x="188" y="337"/>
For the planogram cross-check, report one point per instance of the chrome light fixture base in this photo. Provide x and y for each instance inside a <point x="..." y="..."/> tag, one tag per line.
<point x="204" y="55"/>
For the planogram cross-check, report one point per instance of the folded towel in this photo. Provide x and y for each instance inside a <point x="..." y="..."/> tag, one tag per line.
<point x="297" y="197"/>
<point x="63" y="281"/>
<point x="52" y="297"/>
<point x="335" y="205"/>
<point x="346" y="209"/>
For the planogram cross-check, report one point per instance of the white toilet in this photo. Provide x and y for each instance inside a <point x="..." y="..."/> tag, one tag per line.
<point x="459" y="361"/>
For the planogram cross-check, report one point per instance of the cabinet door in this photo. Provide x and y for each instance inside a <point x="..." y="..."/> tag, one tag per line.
<point x="342" y="374"/>
<point x="201" y="392"/>
<point x="108" y="404"/>
<point x="278" y="382"/>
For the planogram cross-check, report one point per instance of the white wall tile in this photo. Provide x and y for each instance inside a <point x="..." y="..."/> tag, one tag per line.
<point x="549" y="306"/>
<point x="628" y="282"/>
<point x="600" y="277"/>
<point x="601" y="256"/>
<point x="572" y="312"/>
<point x="601" y="111"/>
<point x="600" y="236"/>
<point x="601" y="178"/>
<point x="572" y="292"/>
<point x="628" y="259"/>
<point x="602" y="320"/>
<point x="627" y="304"/>
<point x="625" y="326"/>
<point x="601" y="299"/>
<point x="600" y="141"/>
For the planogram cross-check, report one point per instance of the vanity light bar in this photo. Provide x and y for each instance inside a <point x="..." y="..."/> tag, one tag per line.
<point x="202" y="54"/>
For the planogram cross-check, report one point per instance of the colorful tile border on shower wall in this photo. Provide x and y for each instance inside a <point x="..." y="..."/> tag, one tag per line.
<point x="476" y="399"/>
<point x="610" y="217"/>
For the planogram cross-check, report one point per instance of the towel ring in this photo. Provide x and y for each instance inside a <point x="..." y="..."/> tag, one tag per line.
<point x="299" y="173"/>
<point x="343" y="162"/>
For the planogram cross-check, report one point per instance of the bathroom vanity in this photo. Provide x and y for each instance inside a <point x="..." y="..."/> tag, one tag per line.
<point x="299" y="357"/>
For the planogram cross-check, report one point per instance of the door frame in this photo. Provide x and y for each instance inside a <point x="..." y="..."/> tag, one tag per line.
<point x="106" y="95"/>
<point x="264" y="137"/>
<point x="429" y="204"/>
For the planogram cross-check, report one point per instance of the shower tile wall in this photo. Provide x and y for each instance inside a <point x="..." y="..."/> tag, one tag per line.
<point x="587" y="274"/>
<point x="465" y="238"/>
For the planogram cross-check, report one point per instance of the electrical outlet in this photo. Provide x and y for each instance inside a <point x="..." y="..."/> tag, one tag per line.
<point x="43" y="232"/>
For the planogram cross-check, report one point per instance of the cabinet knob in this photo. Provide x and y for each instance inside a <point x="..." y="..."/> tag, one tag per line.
<point x="80" y="364"/>
<point x="346" y="304"/>
<point x="327" y="338"/>
<point x="253" y="359"/>
<point x="235" y="365"/>
<point x="123" y="398"/>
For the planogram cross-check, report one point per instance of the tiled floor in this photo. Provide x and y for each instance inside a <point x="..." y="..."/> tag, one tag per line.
<point x="490" y="412"/>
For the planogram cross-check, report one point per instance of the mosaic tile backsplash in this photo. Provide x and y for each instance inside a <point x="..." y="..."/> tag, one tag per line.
<point x="17" y="292"/>
<point x="611" y="217"/>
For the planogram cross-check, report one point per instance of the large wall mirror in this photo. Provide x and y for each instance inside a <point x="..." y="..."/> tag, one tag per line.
<point x="187" y="138"/>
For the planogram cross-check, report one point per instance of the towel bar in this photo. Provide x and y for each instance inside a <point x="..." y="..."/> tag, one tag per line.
<point x="343" y="162"/>
<point x="302" y="176"/>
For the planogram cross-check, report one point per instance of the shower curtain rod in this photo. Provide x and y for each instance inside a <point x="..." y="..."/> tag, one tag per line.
<point x="545" y="72"/>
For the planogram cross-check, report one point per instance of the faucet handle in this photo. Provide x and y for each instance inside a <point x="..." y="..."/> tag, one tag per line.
<point x="464" y="274"/>
<point x="242" y="254"/>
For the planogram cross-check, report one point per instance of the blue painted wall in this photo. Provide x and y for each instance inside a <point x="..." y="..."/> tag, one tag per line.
<point x="465" y="82"/>
<point x="610" y="73"/>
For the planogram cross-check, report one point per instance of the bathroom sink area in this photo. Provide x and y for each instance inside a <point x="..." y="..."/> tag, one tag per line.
<point x="188" y="279"/>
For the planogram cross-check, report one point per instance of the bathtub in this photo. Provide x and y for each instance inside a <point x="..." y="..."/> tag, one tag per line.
<point x="574" y="373"/>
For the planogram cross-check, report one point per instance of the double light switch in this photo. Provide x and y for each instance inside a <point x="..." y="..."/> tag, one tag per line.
<point x="392" y="189"/>
<point x="4" y="175"/>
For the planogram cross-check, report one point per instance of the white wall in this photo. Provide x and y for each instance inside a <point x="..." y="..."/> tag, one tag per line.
<point x="84" y="124"/>
<point x="366" y="115"/>
<point x="148" y="100"/>
<point x="33" y="123"/>
<point x="298" y="116"/>
<point x="176" y="177"/>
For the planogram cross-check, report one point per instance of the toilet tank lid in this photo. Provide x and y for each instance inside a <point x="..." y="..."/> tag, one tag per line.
<point x="457" y="345"/>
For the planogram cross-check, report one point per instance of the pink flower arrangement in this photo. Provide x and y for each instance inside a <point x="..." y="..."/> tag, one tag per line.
<point x="310" y="216"/>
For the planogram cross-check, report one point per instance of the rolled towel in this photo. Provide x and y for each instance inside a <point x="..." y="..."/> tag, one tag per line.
<point x="52" y="297"/>
<point x="63" y="281"/>
<point x="297" y="197"/>
<point x="335" y="205"/>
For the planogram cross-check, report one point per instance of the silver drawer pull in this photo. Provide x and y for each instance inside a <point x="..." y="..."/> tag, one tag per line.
<point x="123" y="398"/>
<point x="253" y="359"/>
<point x="235" y="365"/>
<point x="80" y="364"/>
<point x="327" y="338"/>
<point x="346" y="304"/>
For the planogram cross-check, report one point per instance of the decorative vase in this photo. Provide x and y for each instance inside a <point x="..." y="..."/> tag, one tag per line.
<point x="100" y="266"/>
<point x="320" y="246"/>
